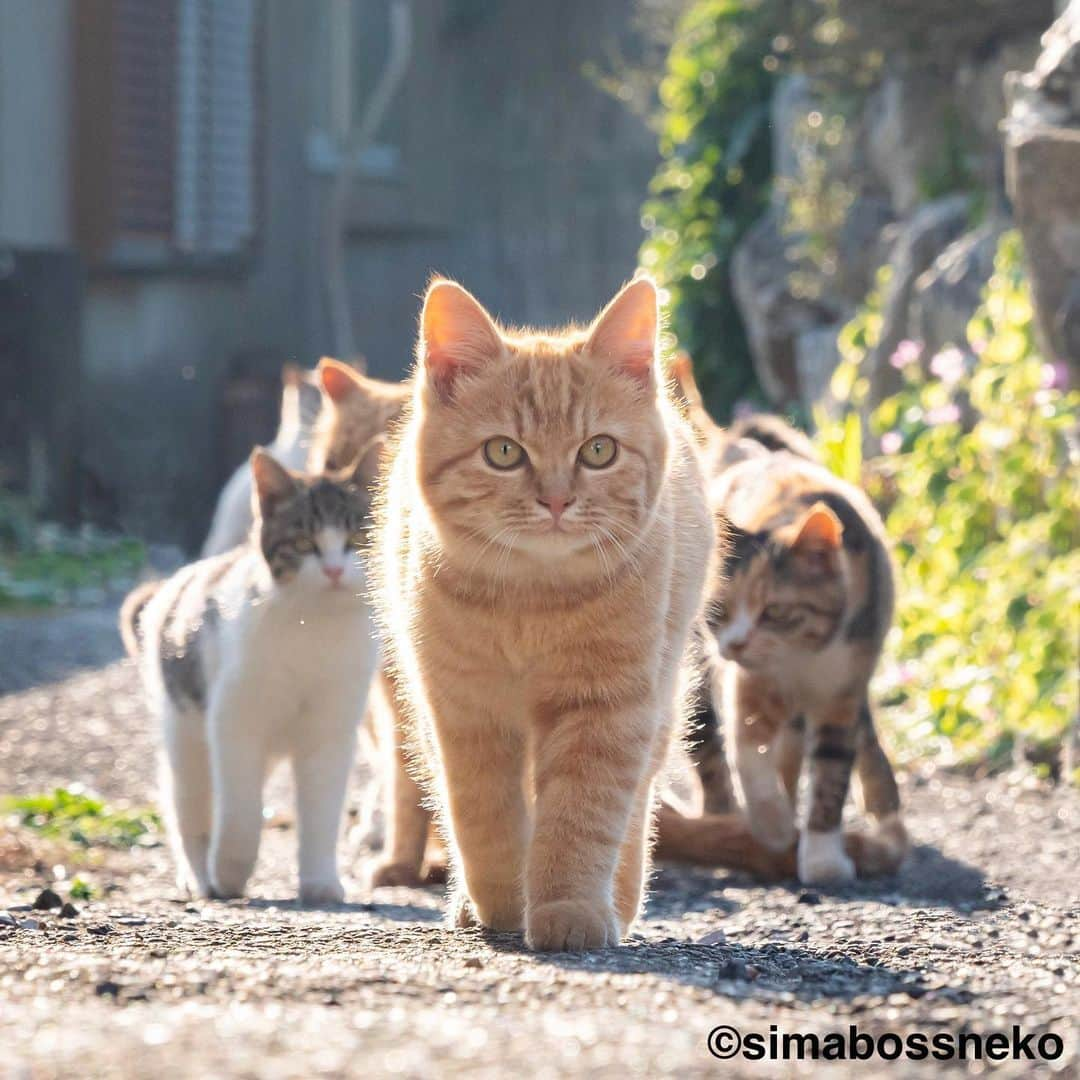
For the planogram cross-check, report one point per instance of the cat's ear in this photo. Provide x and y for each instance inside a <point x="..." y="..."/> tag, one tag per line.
<point x="624" y="333"/>
<point x="457" y="336"/>
<point x="365" y="469"/>
<point x="337" y="380"/>
<point x="272" y="483"/>
<point x="819" y="534"/>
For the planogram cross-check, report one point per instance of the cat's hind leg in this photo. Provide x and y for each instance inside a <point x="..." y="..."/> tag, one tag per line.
<point x="237" y="721"/>
<point x="407" y="820"/>
<point x="186" y="794"/>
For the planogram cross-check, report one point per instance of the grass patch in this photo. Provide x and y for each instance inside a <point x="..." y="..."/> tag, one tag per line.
<point x="77" y="818"/>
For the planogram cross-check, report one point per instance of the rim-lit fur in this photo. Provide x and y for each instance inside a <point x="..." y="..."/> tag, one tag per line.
<point x="541" y="662"/>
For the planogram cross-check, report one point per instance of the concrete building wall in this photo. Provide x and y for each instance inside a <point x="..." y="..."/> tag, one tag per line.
<point x="35" y="50"/>
<point x="517" y="175"/>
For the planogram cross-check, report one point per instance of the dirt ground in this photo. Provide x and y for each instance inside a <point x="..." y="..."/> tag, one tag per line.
<point x="980" y="932"/>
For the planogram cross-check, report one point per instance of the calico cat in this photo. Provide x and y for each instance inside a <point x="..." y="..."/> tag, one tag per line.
<point x="764" y="468"/>
<point x="543" y="545"/>
<point x="260" y="654"/>
<point x="300" y="405"/>
<point x="801" y="621"/>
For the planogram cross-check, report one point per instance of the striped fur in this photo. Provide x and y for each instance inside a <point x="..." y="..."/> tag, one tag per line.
<point x="538" y="615"/>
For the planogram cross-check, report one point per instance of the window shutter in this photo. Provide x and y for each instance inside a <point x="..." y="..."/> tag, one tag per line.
<point x="168" y="118"/>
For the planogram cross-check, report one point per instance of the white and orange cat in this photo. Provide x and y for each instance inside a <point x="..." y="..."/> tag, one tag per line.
<point x="544" y="543"/>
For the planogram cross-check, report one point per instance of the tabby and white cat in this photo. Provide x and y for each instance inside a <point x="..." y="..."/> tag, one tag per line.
<point x="543" y="548"/>
<point x="262" y="654"/>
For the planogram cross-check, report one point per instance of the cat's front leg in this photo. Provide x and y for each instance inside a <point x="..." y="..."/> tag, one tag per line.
<point x="238" y="759"/>
<point x="757" y="717"/>
<point x="590" y="761"/>
<point x="483" y="767"/>
<point x="832" y="736"/>
<point x="321" y="764"/>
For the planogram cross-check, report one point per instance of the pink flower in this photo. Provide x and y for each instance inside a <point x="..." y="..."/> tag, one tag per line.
<point x="1055" y="376"/>
<point x="891" y="442"/>
<point x="907" y="352"/>
<point x="943" y="414"/>
<point x="948" y="365"/>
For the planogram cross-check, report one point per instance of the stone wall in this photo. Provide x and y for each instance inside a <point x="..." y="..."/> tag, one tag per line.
<point x="925" y="164"/>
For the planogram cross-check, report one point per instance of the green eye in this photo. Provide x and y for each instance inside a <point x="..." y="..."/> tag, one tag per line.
<point x="503" y="453"/>
<point x="598" y="452"/>
<point x="775" y="612"/>
<point x="304" y="546"/>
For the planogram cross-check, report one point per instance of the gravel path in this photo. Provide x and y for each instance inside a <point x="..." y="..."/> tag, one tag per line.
<point x="980" y="932"/>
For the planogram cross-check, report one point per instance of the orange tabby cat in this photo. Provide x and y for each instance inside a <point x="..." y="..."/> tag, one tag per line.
<point x="358" y="408"/>
<point x="544" y="543"/>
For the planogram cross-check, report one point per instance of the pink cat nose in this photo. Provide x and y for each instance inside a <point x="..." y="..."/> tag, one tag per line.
<point x="334" y="573"/>
<point x="557" y="504"/>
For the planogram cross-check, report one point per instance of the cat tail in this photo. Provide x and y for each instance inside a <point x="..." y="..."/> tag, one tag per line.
<point x="131" y="610"/>
<point x="725" y="841"/>
<point x="722" y="840"/>
<point x="682" y="372"/>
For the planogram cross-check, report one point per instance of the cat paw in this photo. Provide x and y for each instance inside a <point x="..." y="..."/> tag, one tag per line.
<point x="435" y="873"/>
<point x="571" y="926"/>
<point x="229" y="877"/>
<point x="772" y="822"/>
<point x="822" y="859"/>
<point x="386" y="875"/>
<point x="328" y="891"/>
<point x="503" y="917"/>
<point x="460" y="913"/>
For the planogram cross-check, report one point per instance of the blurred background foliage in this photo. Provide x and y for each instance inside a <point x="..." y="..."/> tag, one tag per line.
<point x="43" y="564"/>
<point x="967" y="441"/>
<point x="975" y="465"/>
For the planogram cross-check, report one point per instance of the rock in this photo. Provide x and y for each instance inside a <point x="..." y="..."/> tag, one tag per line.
<point x="7" y="920"/>
<point x="929" y="230"/>
<point x="761" y="272"/>
<point x="981" y="102"/>
<point x="1042" y="161"/>
<point x="100" y="930"/>
<point x="47" y="900"/>
<point x="69" y="911"/>
<point x="107" y="988"/>
<point x="909" y="120"/>
<point x="946" y="295"/>
<point x="714" y="937"/>
<point x="30" y="924"/>
<point x="816" y="355"/>
<point x="808" y="896"/>
<point x="473" y="962"/>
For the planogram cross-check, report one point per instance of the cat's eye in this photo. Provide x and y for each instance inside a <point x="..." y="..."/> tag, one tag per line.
<point x="598" y="452"/>
<point x="503" y="453"/>
<point x="304" y="546"/>
<point x="775" y="612"/>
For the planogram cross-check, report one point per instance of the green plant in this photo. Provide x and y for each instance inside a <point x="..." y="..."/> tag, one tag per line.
<point x="714" y="179"/>
<point x="78" y="818"/>
<point x="81" y="889"/>
<point x="42" y="564"/>
<point x="982" y="495"/>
